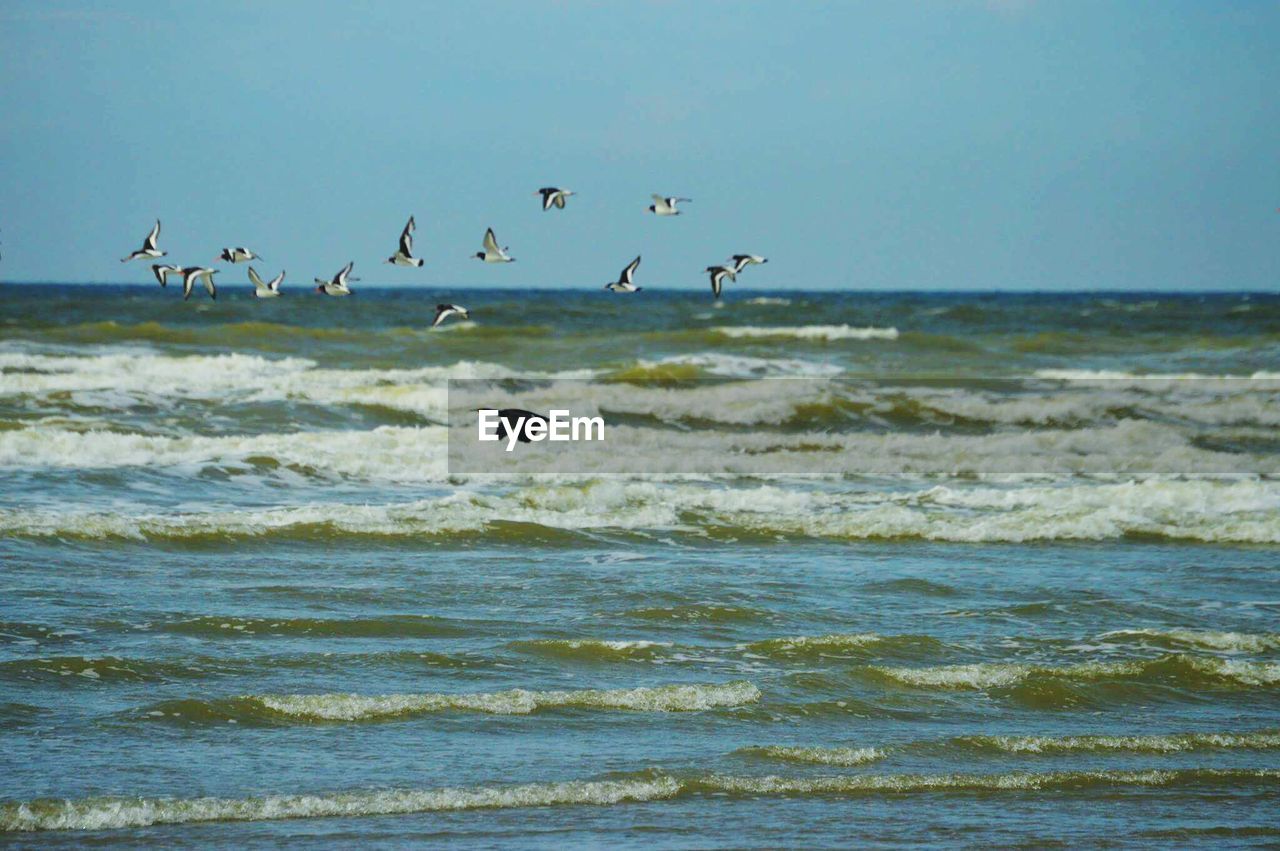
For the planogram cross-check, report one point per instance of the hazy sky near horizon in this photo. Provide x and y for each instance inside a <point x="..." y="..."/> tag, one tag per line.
<point x="941" y="145"/>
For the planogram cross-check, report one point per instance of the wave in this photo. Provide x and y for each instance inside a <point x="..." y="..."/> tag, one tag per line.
<point x="1152" y="379"/>
<point x="826" y="333"/>
<point x="1160" y="744"/>
<point x="1195" y="510"/>
<point x="845" y="757"/>
<point x="132" y="812"/>
<point x="696" y="365"/>
<point x="1179" y="671"/>
<point x="844" y="646"/>
<point x="354" y="707"/>
<point x="390" y="453"/>
<point x="1229" y="642"/>
<point x="246" y="378"/>
<point x="594" y="650"/>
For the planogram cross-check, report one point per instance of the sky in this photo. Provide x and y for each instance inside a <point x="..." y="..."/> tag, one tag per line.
<point x="974" y="144"/>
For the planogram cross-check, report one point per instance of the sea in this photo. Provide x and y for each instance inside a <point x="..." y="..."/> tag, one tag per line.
<point x="247" y="601"/>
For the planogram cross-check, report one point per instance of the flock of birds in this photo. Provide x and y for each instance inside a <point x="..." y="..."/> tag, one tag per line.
<point x="338" y="285"/>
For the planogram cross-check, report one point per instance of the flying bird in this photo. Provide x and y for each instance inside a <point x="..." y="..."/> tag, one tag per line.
<point x="553" y="197"/>
<point x="271" y="289"/>
<point x="666" y="206"/>
<point x="189" y="275"/>
<point x="237" y="255"/>
<point x="337" y="286"/>
<point x="404" y="254"/>
<point x="163" y="271"/>
<point x="148" y="249"/>
<point x="624" y="284"/>
<point x="444" y="311"/>
<point x="718" y="274"/>
<point x="492" y="253"/>
<point x="742" y="261"/>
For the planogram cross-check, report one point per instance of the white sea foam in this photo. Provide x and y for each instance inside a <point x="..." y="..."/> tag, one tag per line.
<point x="828" y="333"/>
<point x="746" y="366"/>
<point x="1228" y="642"/>
<point x="355" y="707"/>
<point x="123" y="812"/>
<point x="239" y="377"/>
<point x="386" y="452"/>
<point x="1212" y="511"/>
<point x="1169" y="743"/>
<point x="845" y="757"/>
<point x="987" y="675"/>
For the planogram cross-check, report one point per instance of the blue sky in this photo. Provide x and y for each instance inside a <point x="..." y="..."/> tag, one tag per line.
<point x="939" y="145"/>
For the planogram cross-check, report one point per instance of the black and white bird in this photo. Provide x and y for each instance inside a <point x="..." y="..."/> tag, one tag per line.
<point x="162" y="272"/>
<point x="742" y="261"/>
<point x="492" y="253"/>
<point x="624" y="283"/>
<point x="404" y="254"/>
<point x="718" y="274"/>
<point x="444" y="311"/>
<point x="666" y="206"/>
<point x="148" y="249"/>
<point x="553" y="197"/>
<point x="189" y="275"/>
<point x="270" y="289"/>
<point x="237" y="255"/>
<point x="337" y="285"/>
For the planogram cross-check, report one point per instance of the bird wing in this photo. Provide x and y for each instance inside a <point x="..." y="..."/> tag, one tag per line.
<point x="341" y="277"/>
<point x="406" y="238"/>
<point x="257" y="281"/>
<point x="208" y="284"/>
<point x="491" y="242"/>
<point x="717" y="279"/>
<point x="188" y="278"/>
<point x="625" y="278"/>
<point x="150" y="242"/>
<point x="275" y="283"/>
<point x="559" y="200"/>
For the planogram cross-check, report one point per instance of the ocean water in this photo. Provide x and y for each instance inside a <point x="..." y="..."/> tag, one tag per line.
<point x="244" y="600"/>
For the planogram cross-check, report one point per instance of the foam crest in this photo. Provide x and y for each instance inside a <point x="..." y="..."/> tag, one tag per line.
<point x="844" y="757"/>
<point x="124" y="812"/>
<point x="826" y="333"/>
<point x="1172" y="743"/>
<point x="386" y="452"/>
<point x="853" y="784"/>
<point x="113" y="813"/>
<point x="669" y="698"/>
<point x="1227" y="642"/>
<point x="595" y="650"/>
<point x="1212" y="511"/>
<point x="1183" y="671"/>
<point x="248" y="378"/>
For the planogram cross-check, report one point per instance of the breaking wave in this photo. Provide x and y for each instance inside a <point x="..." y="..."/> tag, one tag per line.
<point x="826" y="333"/>
<point x="1180" y="671"/>
<point x="126" y="812"/>
<point x="1195" y="510"/>
<point x="353" y="707"/>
